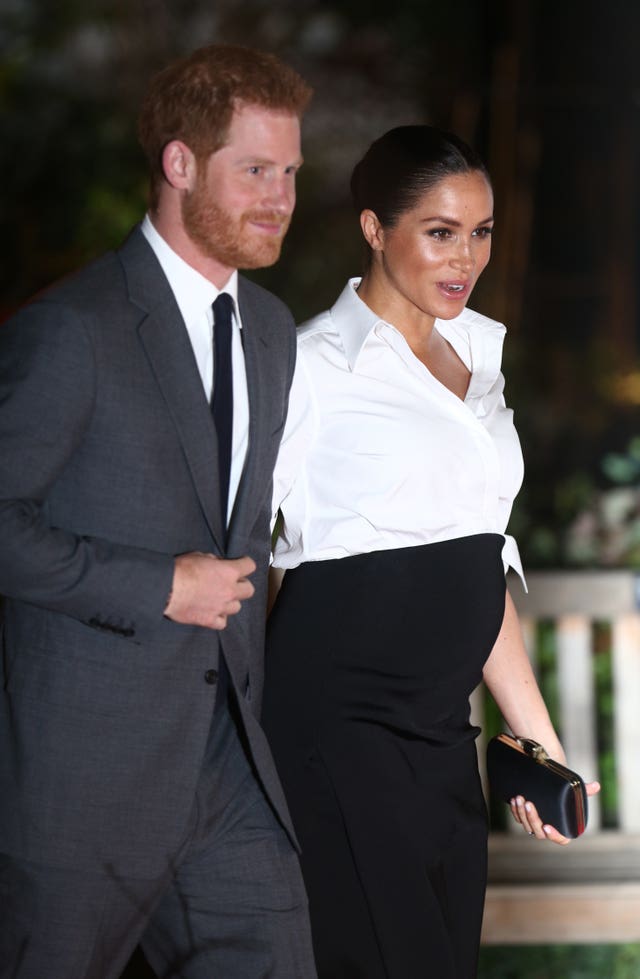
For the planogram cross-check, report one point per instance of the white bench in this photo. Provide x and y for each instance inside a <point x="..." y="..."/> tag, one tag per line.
<point x="589" y="891"/>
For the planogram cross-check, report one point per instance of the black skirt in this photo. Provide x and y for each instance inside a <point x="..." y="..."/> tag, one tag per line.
<point x="370" y="663"/>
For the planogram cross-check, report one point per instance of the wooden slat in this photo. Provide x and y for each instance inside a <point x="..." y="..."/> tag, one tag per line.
<point x="583" y="914"/>
<point x="577" y="701"/>
<point x="626" y="685"/>
<point x="588" y="892"/>
<point x="606" y="857"/>
<point x="596" y="594"/>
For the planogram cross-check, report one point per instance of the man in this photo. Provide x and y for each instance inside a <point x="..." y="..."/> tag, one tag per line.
<point x="138" y="797"/>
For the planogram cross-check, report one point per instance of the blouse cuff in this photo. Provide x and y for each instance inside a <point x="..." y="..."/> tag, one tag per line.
<point x="511" y="559"/>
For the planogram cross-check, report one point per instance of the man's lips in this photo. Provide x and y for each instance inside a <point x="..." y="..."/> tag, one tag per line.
<point x="272" y="224"/>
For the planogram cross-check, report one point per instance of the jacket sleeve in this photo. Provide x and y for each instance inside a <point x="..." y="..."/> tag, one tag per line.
<point x="47" y="392"/>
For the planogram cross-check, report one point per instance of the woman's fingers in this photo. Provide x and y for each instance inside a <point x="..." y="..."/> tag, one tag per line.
<point x="526" y="814"/>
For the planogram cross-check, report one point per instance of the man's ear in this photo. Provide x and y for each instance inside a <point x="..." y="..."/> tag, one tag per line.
<point x="372" y="230"/>
<point x="179" y="165"/>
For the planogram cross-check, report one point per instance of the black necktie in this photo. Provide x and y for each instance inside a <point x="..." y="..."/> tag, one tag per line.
<point x="222" y="396"/>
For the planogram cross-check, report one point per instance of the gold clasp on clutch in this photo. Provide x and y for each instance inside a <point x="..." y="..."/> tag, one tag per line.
<point x="532" y="748"/>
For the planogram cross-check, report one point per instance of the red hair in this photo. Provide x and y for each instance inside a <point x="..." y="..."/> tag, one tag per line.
<point x="194" y="99"/>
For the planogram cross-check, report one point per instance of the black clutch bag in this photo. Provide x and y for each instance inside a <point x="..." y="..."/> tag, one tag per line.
<point x="520" y="766"/>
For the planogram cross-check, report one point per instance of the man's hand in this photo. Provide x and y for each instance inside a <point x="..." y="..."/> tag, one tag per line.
<point x="207" y="589"/>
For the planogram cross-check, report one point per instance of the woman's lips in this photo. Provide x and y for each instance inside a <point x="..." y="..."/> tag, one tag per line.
<point x="454" y="290"/>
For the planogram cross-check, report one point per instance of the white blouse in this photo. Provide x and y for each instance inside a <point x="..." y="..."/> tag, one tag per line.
<point x="378" y="454"/>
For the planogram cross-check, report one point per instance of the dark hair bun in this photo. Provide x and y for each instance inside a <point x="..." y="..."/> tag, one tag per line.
<point x="405" y="163"/>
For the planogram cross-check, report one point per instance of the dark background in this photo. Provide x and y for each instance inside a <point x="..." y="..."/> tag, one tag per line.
<point x="548" y="92"/>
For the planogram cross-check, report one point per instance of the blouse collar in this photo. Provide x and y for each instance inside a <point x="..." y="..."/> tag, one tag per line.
<point x="477" y="339"/>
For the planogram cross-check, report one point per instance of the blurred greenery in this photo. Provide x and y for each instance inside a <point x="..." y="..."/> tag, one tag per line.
<point x="524" y="962"/>
<point x="560" y="962"/>
<point x="603" y="677"/>
<point x="547" y="671"/>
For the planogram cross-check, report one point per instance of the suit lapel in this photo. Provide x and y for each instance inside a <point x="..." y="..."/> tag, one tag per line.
<point x="166" y="342"/>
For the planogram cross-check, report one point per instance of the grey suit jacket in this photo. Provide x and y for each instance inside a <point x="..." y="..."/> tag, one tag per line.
<point x="108" y="469"/>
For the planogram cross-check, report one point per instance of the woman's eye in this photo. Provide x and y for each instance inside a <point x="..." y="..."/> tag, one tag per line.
<point x="440" y="234"/>
<point x="483" y="232"/>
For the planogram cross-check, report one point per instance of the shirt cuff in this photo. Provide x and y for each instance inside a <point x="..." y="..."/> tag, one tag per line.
<point x="511" y="559"/>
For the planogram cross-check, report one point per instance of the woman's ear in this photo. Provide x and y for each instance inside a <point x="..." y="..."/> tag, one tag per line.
<point x="179" y="165"/>
<point x="372" y="230"/>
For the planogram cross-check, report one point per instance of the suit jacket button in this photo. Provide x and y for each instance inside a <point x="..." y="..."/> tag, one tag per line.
<point x="211" y="676"/>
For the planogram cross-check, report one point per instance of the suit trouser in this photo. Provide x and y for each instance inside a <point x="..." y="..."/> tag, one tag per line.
<point x="232" y="904"/>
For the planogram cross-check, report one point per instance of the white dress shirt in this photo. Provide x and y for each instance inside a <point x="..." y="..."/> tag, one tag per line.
<point x="378" y="454"/>
<point x="195" y="296"/>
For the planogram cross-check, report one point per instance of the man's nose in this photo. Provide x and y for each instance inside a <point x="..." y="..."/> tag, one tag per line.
<point x="281" y="195"/>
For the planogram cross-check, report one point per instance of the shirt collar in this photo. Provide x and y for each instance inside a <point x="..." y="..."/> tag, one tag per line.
<point x="353" y="320"/>
<point x="476" y="339"/>
<point x="194" y="293"/>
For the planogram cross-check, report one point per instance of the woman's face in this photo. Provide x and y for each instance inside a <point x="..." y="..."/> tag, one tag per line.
<point x="431" y="259"/>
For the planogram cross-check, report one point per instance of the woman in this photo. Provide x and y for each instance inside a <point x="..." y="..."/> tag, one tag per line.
<point x="396" y="478"/>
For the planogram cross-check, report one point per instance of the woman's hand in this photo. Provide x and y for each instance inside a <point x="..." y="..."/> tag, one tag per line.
<point x="526" y="814"/>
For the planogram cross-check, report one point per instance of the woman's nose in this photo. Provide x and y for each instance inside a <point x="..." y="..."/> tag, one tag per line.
<point x="463" y="257"/>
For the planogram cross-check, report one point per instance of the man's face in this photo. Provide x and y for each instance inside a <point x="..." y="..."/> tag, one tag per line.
<point x="241" y="204"/>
